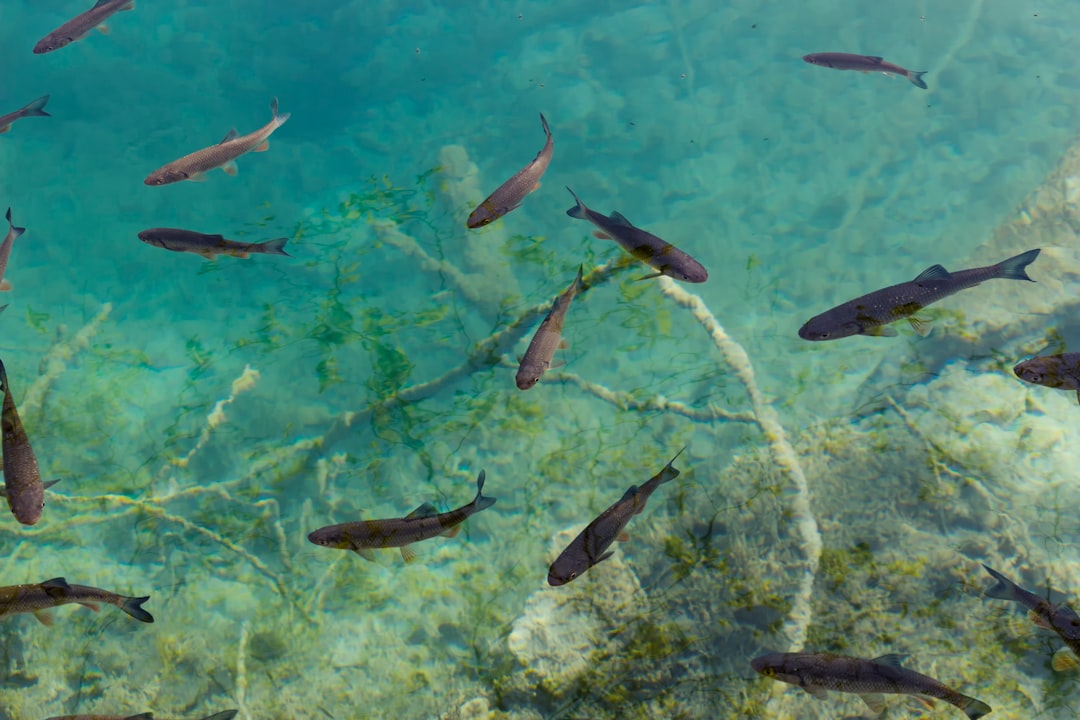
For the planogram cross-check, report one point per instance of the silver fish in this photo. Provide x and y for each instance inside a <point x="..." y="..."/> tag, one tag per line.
<point x="646" y="247"/>
<point x="510" y="194"/>
<point x="223" y="155"/>
<point x="224" y="715"/>
<point x="33" y="109"/>
<point x="872" y="313"/>
<point x="78" y="27"/>
<point x="423" y="523"/>
<point x="13" y="234"/>
<point x="864" y="63"/>
<point x="1055" y="371"/>
<point x="817" y="673"/>
<point x="22" y="482"/>
<point x="591" y="545"/>
<point x="548" y="338"/>
<point x="1062" y="619"/>
<point x="39" y="598"/>
<point x="208" y="245"/>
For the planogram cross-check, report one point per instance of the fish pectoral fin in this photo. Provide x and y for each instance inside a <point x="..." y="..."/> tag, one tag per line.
<point x="874" y="701"/>
<point x="656" y="274"/>
<point x="44" y="617"/>
<point x="103" y="29"/>
<point x="425" y="510"/>
<point x="231" y="135"/>
<point x="1064" y="660"/>
<point x="230" y="168"/>
<point x="596" y="233"/>
<point x="49" y="484"/>
<point x="407" y="553"/>
<point x="603" y="557"/>
<point x="262" y="147"/>
<point x="197" y="177"/>
<point x="922" y="327"/>
<point x="879" y="331"/>
<point x="366" y="553"/>
<point x="934" y="272"/>
<point x="93" y="606"/>
<point x="556" y="364"/>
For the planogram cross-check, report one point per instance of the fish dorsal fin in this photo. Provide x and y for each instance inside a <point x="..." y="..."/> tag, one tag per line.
<point x="231" y="135"/>
<point x="424" y="511"/>
<point x="56" y="587"/>
<point x="874" y="701"/>
<point x="630" y="492"/>
<point x="893" y="660"/>
<point x="934" y="272"/>
<point x="620" y="219"/>
<point x="875" y="58"/>
<point x="99" y="3"/>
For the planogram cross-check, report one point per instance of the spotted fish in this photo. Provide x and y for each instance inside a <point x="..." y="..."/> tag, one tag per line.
<point x="510" y="194"/>
<point x="23" y="488"/>
<point x="1062" y="619"/>
<point x="79" y="26"/>
<point x="864" y="63"/>
<point x="208" y="245"/>
<point x="40" y="597"/>
<point x="1060" y="371"/>
<point x="548" y="338"/>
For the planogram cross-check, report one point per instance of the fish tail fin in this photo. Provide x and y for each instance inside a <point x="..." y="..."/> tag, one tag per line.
<point x="578" y="211"/>
<point x="275" y="247"/>
<point x="543" y="121"/>
<point x="34" y="108"/>
<point x="916" y="78"/>
<point x="480" y="501"/>
<point x="973" y="708"/>
<point x="133" y="607"/>
<point x="670" y="472"/>
<point x="16" y="231"/>
<point x="1003" y="589"/>
<point x="279" y="119"/>
<point x="1013" y="268"/>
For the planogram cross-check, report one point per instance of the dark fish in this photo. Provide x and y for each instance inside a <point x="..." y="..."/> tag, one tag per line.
<point x="421" y="524"/>
<point x="33" y="109"/>
<point x="864" y="63"/>
<point x="78" y="27"/>
<point x="224" y="715"/>
<point x="13" y="234"/>
<point x="207" y="245"/>
<point x="548" y="338"/>
<point x="817" y="673"/>
<point x="22" y="482"/>
<point x="646" y="247"/>
<point x="39" y="598"/>
<point x="510" y="194"/>
<point x="871" y="314"/>
<point x="591" y="545"/>
<point x="1062" y="619"/>
<point x="223" y="155"/>
<point x="1054" y="371"/>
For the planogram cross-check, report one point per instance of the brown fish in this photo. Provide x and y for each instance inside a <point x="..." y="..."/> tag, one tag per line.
<point x="591" y="545"/>
<point x="1060" y="371"/>
<point x="223" y="155"/>
<point x="421" y="524"/>
<point x="207" y="246"/>
<point x="864" y="63"/>
<point x="224" y="715"/>
<point x="39" y="598"/>
<point x="13" y="234"/>
<point x="548" y="338"/>
<point x="33" y="109"/>
<point x="78" y="27"/>
<point x="22" y="482"/>
<point x="818" y="673"/>
<point x="510" y="194"/>
<point x="1062" y="619"/>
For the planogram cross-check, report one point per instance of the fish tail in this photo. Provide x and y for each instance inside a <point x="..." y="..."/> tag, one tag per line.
<point x="35" y="108"/>
<point x="133" y="607"/>
<point x="16" y="231"/>
<point x="670" y="471"/>
<point x="973" y="708"/>
<point x="1004" y="589"/>
<point x="279" y="120"/>
<point x="480" y="501"/>
<point x="274" y="247"/>
<point x="1013" y="268"/>
<point x="916" y="78"/>
<point x="543" y="121"/>
<point x="578" y="211"/>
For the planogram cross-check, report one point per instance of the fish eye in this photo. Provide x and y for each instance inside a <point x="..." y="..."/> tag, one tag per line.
<point x="573" y="575"/>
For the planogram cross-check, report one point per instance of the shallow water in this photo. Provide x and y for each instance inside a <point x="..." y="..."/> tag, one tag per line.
<point x="203" y="416"/>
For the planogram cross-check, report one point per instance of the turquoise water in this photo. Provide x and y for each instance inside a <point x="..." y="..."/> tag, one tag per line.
<point x="353" y="385"/>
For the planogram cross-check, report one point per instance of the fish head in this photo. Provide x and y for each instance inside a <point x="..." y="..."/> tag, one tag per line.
<point x="821" y="328"/>
<point x="165" y="176"/>
<point x="1065" y="622"/>
<point x="527" y="376"/>
<point x="330" y="537"/>
<point x="691" y="272"/>
<point x="150" y="238"/>
<point x="481" y="216"/>
<point x="566" y="568"/>
<point x="1047" y="371"/>
<point x="773" y="665"/>
<point x="27" y="505"/>
<point x="52" y="42"/>
<point x="814" y="59"/>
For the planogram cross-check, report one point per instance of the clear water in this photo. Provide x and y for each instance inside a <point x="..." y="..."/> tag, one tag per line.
<point x="798" y="187"/>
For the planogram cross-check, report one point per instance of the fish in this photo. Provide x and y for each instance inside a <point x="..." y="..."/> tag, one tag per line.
<point x="423" y="523"/>
<point x="79" y="26"/>
<point x="872" y="313"/>
<point x="659" y="254"/>
<point x="548" y="338"/>
<point x="32" y="109"/>
<point x="864" y="63"/>
<point x="1060" y="371"/>
<point x="23" y="488"/>
<point x="39" y="598"/>
<point x="13" y="234"/>
<point x="223" y="155"/>
<point x="1062" y="619"/>
<point x="208" y="245"/>
<point x="224" y="715"/>
<point x="817" y="673"/>
<point x="591" y="545"/>
<point x="509" y="195"/>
